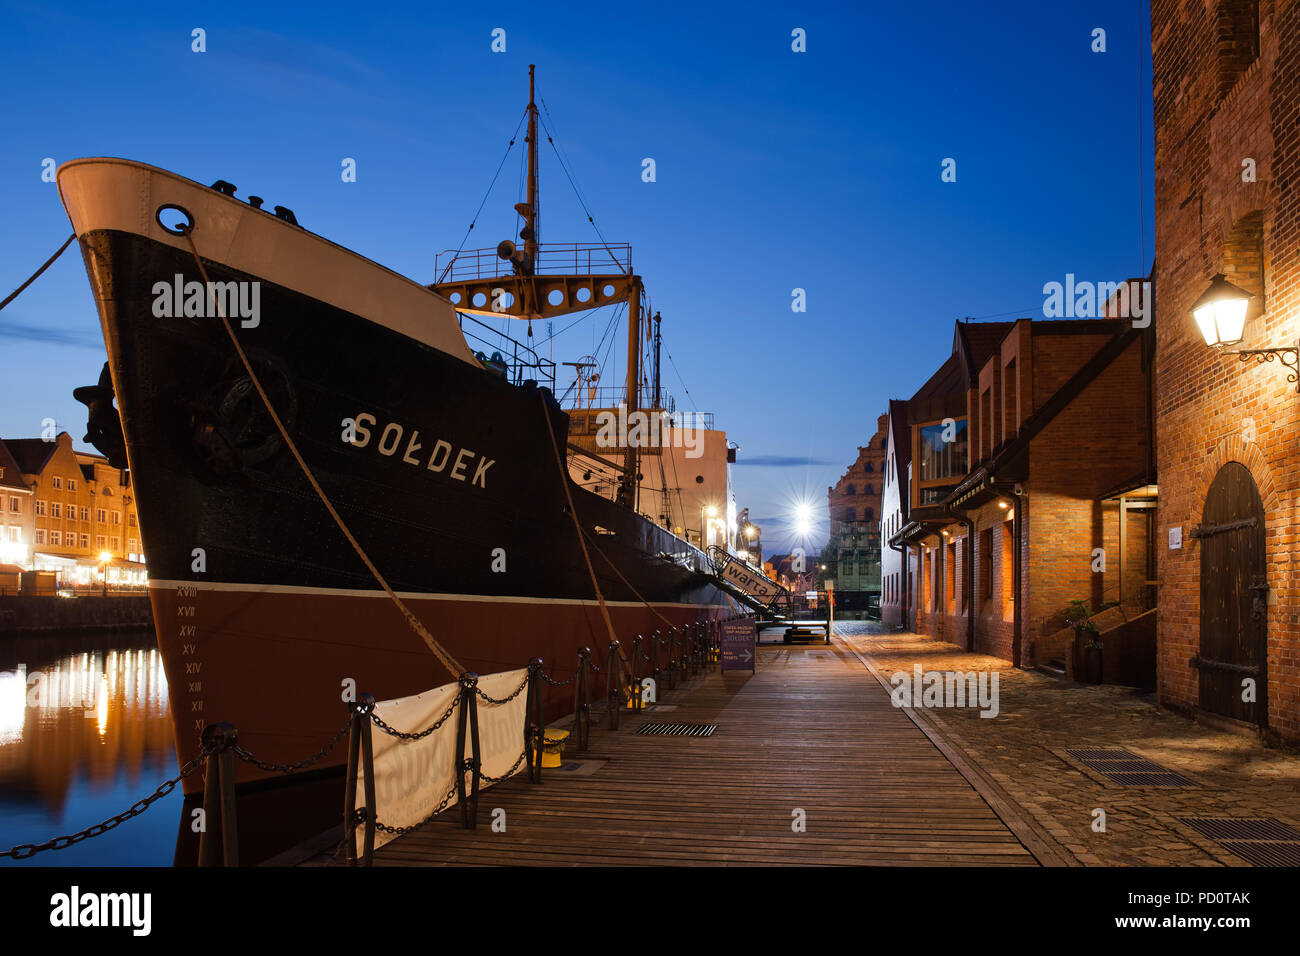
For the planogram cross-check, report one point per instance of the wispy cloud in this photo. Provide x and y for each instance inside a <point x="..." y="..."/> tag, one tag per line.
<point x="782" y="461"/>
<point x="49" y="335"/>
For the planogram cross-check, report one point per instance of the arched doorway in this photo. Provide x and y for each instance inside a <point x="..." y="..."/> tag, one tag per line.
<point x="1234" y="599"/>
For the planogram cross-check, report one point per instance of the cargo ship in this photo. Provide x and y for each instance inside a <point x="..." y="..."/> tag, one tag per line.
<point x="268" y="389"/>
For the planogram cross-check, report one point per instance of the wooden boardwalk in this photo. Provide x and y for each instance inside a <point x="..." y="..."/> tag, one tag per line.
<point x="812" y="730"/>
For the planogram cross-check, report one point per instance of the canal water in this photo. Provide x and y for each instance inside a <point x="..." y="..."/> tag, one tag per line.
<point x="85" y="732"/>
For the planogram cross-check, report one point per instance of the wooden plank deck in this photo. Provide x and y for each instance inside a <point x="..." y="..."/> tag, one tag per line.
<point x="812" y="730"/>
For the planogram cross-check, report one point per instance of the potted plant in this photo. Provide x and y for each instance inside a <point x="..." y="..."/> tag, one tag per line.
<point x="1087" y="651"/>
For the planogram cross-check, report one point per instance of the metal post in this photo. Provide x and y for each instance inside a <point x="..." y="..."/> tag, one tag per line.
<point x="635" y="686"/>
<point x="467" y="727"/>
<point x="582" y="699"/>
<point x="614" y="682"/>
<point x="534" y="732"/>
<point x="219" y="797"/>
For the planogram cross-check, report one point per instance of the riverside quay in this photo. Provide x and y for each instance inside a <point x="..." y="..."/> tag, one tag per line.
<point x="426" y="469"/>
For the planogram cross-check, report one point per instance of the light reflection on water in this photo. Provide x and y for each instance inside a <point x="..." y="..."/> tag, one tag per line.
<point x="85" y="732"/>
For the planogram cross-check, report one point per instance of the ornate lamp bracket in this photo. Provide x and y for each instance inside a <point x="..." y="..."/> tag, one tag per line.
<point x="1290" y="357"/>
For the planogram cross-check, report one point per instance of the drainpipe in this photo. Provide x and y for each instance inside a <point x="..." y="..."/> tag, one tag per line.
<point x="970" y="573"/>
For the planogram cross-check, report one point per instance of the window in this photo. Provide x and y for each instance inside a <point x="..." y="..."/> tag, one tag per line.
<point x="866" y="514"/>
<point x="116" y="544"/>
<point x="85" y="513"/>
<point x="117" y="517"/>
<point x="867" y="491"/>
<point x="15" y="533"/>
<point x="57" y="483"/>
<point x="132" y="544"/>
<point x="40" y="535"/>
<point x="15" y="505"/>
<point x="56" y="537"/>
<point x="108" y="492"/>
<point x="851" y="490"/>
<point x="850" y="515"/>
<point x="101" y="515"/>
<point x="56" y="510"/>
<point x="72" y="484"/>
<point x="869" y="466"/>
<point x="85" y="541"/>
<point x="940" y="449"/>
<point x="130" y="519"/>
<point x="40" y="509"/>
<point x="99" y="542"/>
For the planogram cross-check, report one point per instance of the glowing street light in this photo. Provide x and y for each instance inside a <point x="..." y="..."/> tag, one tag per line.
<point x="1221" y="312"/>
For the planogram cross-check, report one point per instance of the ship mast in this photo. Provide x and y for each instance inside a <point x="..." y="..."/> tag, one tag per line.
<point x="602" y="276"/>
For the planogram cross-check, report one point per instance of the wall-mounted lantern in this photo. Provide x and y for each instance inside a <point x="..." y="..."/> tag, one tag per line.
<point x="1220" y="314"/>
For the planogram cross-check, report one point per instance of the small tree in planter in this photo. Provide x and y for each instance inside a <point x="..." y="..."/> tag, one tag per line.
<point x="1077" y="615"/>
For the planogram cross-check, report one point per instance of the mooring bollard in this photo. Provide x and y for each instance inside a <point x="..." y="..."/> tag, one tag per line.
<point x="219" y="797"/>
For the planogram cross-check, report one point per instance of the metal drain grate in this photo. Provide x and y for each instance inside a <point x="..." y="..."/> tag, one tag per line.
<point x="1242" y="828"/>
<point x="1262" y="841"/>
<point x="678" y="730"/>
<point x="1129" y="769"/>
<point x="1266" y="853"/>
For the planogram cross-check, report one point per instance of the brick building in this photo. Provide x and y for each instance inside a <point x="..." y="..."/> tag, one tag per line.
<point x="16" y="513"/>
<point x="1227" y="200"/>
<point x="852" y="554"/>
<point x="1028" y="486"/>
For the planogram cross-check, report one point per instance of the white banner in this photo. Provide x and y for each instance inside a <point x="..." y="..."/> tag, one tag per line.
<point x="412" y="776"/>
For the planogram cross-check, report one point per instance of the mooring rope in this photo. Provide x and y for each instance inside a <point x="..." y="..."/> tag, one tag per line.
<point x="612" y="565"/>
<point x="37" y="274"/>
<point x="573" y="513"/>
<point x="439" y="651"/>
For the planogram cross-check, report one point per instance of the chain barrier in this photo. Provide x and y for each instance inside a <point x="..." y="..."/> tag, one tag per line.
<point x="688" y="648"/>
<point x="286" y="768"/>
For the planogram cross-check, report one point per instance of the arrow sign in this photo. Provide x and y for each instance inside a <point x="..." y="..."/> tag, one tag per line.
<point x="738" y="638"/>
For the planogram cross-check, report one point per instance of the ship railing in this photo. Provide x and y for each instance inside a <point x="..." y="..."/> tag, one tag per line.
<point x="514" y="360"/>
<point x="553" y="258"/>
<point x="633" y="680"/>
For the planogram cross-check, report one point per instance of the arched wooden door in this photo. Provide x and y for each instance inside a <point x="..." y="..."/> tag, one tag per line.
<point x="1234" y="599"/>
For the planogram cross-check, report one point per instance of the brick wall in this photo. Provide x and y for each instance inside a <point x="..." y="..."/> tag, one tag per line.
<point x="1212" y="110"/>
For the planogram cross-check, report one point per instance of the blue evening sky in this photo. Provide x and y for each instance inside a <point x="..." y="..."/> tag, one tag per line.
<point x="775" y="170"/>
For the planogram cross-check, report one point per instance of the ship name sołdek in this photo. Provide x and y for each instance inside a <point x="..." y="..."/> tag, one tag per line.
<point x="441" y="457"/>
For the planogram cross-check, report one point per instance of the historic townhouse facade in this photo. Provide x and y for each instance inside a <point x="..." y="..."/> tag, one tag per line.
<point x="1227" y="201"/>
<point x="84" y="520"/>
<point x="852" y="553"/>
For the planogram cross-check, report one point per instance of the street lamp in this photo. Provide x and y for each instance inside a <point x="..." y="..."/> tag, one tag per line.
<point x="1220" y="314"/>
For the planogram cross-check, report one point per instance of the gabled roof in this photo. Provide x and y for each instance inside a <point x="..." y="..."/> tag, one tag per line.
<point x="976" y="341"/>
<point x="11" y="473"/>
<point x="31" y="454"/>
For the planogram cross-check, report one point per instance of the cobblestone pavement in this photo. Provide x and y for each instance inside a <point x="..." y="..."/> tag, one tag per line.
<point x="1023" y="749"/>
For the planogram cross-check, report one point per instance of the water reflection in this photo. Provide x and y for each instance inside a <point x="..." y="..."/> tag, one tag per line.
<point x="85" y="731"/>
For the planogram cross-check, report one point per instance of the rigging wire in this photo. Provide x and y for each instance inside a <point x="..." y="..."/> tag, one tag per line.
<point x="474" y="221"/>
<point x="550" y="138"/>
